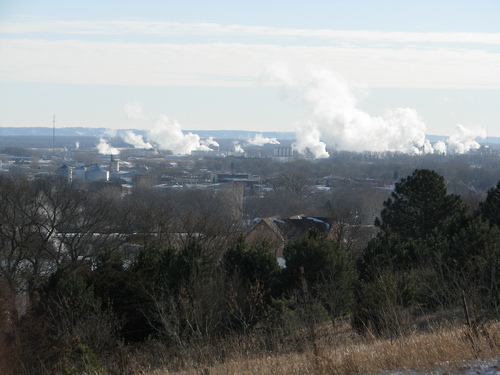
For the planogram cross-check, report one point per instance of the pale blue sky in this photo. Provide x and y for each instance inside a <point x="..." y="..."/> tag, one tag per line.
<point x="247" y="64"/>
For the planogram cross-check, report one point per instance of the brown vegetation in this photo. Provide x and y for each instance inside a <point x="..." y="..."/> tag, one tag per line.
<point x="93" y="281"/>
<point x="339" y="351"/>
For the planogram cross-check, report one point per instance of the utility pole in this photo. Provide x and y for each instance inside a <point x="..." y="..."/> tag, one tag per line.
<point x="53" y="135"/>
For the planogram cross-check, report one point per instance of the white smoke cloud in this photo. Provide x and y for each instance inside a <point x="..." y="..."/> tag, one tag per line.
<point x="260" y="140"/>
<point x="308" y="138"/>
<point x="210" y="141"/>
<point x="77" y="145"/>
<point x="165" y="134"/>
<point x="464" y="140"/>
<point x="133" y="110"/>
<point x="338" y="123"/>
<point x="439" y="147"/>
<point x="238" y="148"/>
<point x="110" y="133"/>
<point x="168" y="135"/>
<point x="104" y="148"/>
<point x="136" y="140"/>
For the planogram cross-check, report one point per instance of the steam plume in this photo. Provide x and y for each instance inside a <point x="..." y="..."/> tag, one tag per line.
<point x="105" y="148"/>
<point x="238" y="148"/>
<point x="169" y="136"/>
<point x="165" y="134"/>
<point x="210" y="141"/>
<point x="136" y="140"/>
<point x="260" y="140"/>
<point x="338" y="123"/>
<point x="133" y="110"/>
<point x="308" y="138"/>
<point x="464" y="139"/>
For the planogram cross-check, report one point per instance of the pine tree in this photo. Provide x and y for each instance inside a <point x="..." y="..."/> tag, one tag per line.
<point x="490" y="208"/>
<point x="420" y="205"/>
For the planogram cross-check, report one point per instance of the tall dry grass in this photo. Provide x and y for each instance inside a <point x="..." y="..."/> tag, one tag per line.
<point x="445" y="348"/>
<point x="334" y="351"/>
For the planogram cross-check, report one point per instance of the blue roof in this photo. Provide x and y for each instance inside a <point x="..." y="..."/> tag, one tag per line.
<point x="96" y="168"/>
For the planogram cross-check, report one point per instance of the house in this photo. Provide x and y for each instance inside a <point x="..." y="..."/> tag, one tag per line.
<point x="277" y="232"/>
<point x="266" y="230"/>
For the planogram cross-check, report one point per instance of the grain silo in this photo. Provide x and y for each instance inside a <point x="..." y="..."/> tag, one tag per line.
<point x="65" y="172"/>
<point x="96" y="173"/>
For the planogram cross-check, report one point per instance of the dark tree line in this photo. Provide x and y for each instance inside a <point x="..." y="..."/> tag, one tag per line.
<point x="429" y="253"/>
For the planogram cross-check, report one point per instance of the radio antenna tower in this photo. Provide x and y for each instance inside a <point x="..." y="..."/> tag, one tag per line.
<point x="53" y="134"/>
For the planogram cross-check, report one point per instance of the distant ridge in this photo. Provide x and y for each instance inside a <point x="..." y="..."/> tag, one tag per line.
<point x="218" y="134"/>
<point x="104" y="132"/>
<point x="46" y="131"/>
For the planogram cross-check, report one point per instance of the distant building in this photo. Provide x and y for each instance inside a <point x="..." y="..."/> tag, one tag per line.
<point x="114" y="165"/>
<point x="277" y="232"/>
<point x="284" y="152"/>
<point x="65" y="172"/>
<point x="96" y="173"/>
<point x="79" y="173"/>
<point x="229" y="177"/>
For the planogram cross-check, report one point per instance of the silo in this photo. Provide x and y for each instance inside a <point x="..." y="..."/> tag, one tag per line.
<point x="79" y="173"/>
<point x="114" y="165"/>
<point x="65" y="173"/>
<point x="96" y="173"/>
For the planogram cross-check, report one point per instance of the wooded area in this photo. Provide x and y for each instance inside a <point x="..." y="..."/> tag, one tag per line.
<point x="91" y="277"/>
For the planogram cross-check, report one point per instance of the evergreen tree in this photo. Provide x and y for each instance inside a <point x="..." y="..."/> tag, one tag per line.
<point x="252" y="264"/>
<point x="323" y="267"/>
<point x="419" y="205"/>
<point x="490" y="208"/>
<point x="251" y="271"/>
<point x="417" y="225"/>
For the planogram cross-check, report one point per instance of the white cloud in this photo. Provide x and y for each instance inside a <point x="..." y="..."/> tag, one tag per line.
<point x="139" y="27"/>
<point x="133" y="110"/>
<point x="239" y="65"/>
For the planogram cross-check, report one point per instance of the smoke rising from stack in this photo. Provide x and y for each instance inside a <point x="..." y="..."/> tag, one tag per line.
<point x="168" y="135"/>
<point x="104" y="148"/>
<point x="463" y="139"/>
<point x="165" y="134"/>
<point x="210" y="141"/>
<point x="135" y="140"/>
<point x="238" y="148"/>
<point x="260" y="140"/>
<point x="337" y="123"/>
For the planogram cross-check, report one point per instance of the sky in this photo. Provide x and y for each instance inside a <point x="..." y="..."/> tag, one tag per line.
<point x="327" y="69"/>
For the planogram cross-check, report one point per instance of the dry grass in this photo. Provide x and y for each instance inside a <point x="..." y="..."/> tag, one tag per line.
<point x="335" y="351"/>
<point x="446" y="348"/>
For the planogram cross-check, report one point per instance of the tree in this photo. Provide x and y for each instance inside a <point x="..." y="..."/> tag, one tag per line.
<point x="186" y="291"/>
<point x="417" y="224"/>
<point x="490" y="208"/>
<point x="324" y="267"/>
<point x="419" y="205"/>
<point x="471" y="267"/>
<point x="294" y="181"/>
<point x="252" y="263"/>
<point x="250" y="275"/>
